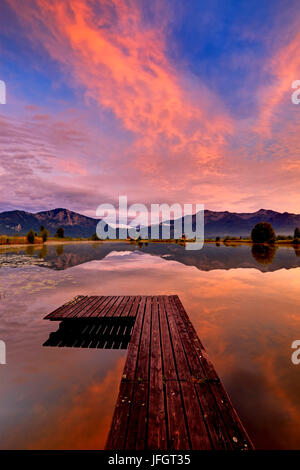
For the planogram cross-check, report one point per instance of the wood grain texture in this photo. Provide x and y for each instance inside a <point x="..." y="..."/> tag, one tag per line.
<point x="170" y="396"/>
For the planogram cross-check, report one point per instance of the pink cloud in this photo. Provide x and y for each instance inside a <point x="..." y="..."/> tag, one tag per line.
<point x="123" y="65"/>
<point x="181" y="143"/>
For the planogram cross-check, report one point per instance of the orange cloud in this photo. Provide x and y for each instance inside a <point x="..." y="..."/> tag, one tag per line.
<point x="180" y="142"/>
<point x="123" y="65"/>
<point x="284" y="67"/>
<point x="85" y="423"/>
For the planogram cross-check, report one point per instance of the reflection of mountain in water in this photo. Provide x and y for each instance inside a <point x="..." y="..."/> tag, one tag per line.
<point x="210" y="257"/>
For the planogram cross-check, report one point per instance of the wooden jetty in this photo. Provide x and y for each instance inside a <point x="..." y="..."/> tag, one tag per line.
<point x="170" y="396"/>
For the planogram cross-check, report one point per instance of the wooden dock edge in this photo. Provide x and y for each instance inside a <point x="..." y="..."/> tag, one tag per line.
<point x="222" y="427"/>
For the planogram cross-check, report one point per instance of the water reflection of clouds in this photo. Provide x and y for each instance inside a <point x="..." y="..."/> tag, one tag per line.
<point x="82" y="421"/>
<point x="30" y="279"/>
<point x="119" y="253"/>
<point x="65" y="408"/>
<point x="246" y="319"/>
<point x="129" y="261"/>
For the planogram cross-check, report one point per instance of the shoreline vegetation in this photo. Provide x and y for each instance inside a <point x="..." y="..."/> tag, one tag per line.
<point x="262" y="234"/>
<point x="227" y="241"/>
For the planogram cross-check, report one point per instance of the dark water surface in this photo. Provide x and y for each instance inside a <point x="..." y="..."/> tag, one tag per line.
<point x="243" y="302"/>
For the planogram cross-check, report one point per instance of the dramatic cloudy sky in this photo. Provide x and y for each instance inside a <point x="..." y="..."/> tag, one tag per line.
<point x="163" y="101"/>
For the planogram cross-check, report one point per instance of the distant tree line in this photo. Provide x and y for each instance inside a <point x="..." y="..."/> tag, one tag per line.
<point x="44" y="234"/>
<point x="263" y="232"/>
<point x="60" y="233"/>
<point x="297" y="236"/>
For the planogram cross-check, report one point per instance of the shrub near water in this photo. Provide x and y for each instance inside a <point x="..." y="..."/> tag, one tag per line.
<point x="263" y="232"/>
<point x="44" y="233"/>
<point x="95" y="237"/>
<point x="60" y="233"/>
<point x="30" y="236"/>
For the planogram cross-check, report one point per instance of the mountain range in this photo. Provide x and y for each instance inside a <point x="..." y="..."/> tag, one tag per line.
<point x="78" y="225"/>
<point x="241" y="224"/>
<point x="74" y="224"/>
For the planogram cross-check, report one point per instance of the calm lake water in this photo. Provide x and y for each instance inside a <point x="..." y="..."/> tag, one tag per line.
<point x="244" y="304"/>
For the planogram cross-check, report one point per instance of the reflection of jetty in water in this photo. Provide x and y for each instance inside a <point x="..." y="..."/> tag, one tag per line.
<point x="167" y="374"/>
<point x="104" y="333"/>
<point x="211" y="256"/>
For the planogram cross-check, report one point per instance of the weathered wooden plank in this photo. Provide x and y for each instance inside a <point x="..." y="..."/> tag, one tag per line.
<point x="157" y="432"/>
<point x="76" y="309"/>
<point x="129" y="300"/>
<point x="117" y="307"/>
<point x="135" y="305"/>
<point x="96" y="306"/>
<point x="176" y="426"/>
<point x="170" y="395"/>
<point x="108" y="306"/>
<point x="77" y="299"/>
<point x="211" y="416"/>
<point x="197" y="431"/>
<point x="90" y="309"/>
<point x="67" y="308"/>
<point x="118" y="431"/>
<point x="239" y="438"/>
<point x="122" y="306"/>
<point x="83" y="310"/>
<point x="138" y="421"/>
<point x="99" y="307"/>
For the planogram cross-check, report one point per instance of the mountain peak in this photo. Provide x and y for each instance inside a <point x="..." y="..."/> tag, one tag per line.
<point x="57" y="210"/>
<point x="78" y="225"/>
<point x="264" y="211"/>
<point x="74" y="224"/>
